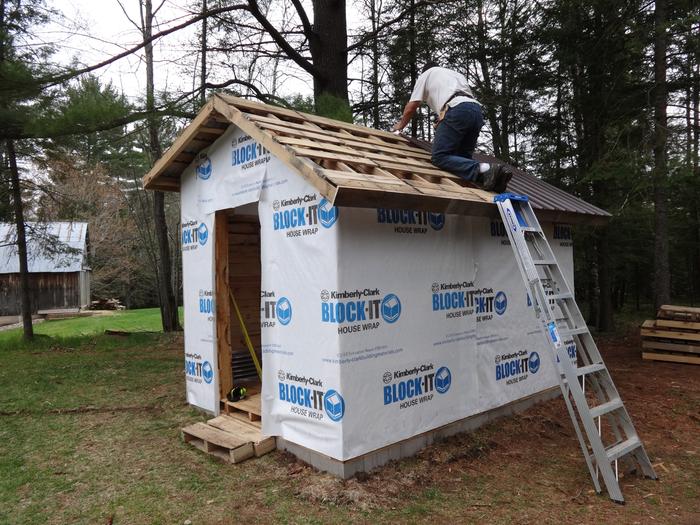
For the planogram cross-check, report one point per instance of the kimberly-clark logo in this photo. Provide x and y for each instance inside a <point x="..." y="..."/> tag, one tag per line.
<point x="193" y="235"/>
<point x="284" y="311"/>
<point x="334" y="405"/>
<point x="515" y="367"/>
<point x="300" y="216"/>
<point x="436" y="221"/>
<point x="327" y="213"/>
<point x="411" y="221"/>
<point x="359" y="310"/>
<point x="411" y="387"/>
<point x="247" y="153"/>
<point x="198" y="370"/>
<point x="202" y="234"/>
<point x="204" y="167"/>
<point x="205" y="301"/>
<point x="307" y="397"/>
<point x="391" y="308"/>
<point x="500" y="303"/>
<point x="455" y="299"/>
<point x="274" y="310"/>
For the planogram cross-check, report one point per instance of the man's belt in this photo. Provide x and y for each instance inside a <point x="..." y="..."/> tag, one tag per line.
<point x="455" y="95"/>
<point x="445" y="106"/>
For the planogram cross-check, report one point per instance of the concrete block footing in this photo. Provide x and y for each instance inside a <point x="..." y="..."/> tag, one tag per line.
<point x="411" y="446"/>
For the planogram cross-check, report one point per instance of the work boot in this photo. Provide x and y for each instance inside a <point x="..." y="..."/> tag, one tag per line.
<point x="505" y="175"/>
<point x="490" y="177"/>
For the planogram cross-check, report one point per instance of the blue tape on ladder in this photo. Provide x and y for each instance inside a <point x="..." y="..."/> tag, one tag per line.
<point x="512" y="196"/>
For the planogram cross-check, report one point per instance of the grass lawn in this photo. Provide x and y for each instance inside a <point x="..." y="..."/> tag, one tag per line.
<point x="90" y="434"/>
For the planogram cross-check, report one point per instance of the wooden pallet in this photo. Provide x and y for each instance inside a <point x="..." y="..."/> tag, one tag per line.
<point x="239" y="425"/>
<point x="679" y="313"/>
<point x="249" y="406"/>
<point x="219" y="443"/>
<point x="671" y="339"/>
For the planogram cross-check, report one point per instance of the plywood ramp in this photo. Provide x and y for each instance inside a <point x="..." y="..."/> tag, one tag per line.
<point x="232" y="436"/>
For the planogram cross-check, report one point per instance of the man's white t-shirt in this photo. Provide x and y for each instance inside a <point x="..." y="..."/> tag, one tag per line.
<point x="436" y="85"/>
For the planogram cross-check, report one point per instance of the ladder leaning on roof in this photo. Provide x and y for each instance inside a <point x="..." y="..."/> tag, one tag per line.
<point x="541" y="274"/>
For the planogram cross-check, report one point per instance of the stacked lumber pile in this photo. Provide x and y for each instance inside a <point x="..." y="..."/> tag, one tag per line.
<point x="234" y="436"/>
<point x="673" y="336"/>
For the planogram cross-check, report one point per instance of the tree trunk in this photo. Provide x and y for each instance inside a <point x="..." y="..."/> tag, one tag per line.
<point x="25" y="297"/>
<point x="328" y="48"/>
<point x="374" y="16"/>
<point x="662" y="278"/>
<point x="168" y="305"/>
<point x="203" y="70"/>
<point x="605" y="310"/>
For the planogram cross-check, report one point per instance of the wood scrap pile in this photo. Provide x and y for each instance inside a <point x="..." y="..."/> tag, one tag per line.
<point x="673" y="336"/>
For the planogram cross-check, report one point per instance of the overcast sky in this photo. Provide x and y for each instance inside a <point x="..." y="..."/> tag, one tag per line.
<point x="94" y="30"/>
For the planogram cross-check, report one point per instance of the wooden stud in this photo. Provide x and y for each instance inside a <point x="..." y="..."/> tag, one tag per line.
<point x="223" y="302"/>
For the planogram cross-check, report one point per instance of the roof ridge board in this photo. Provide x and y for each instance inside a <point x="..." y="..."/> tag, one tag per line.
<point x="316" y="119"/>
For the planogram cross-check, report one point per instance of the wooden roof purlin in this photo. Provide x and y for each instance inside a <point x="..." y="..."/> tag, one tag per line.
<point x="350" y="165"/>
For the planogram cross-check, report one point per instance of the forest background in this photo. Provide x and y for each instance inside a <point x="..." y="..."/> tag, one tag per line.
<point x="600" y="98"/>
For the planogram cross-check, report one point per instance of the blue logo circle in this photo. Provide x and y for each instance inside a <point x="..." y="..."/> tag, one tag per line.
<point x="204" y="168"/>
<point x="284" y="311"/>
<point x="534" y="362"/>
<point x="391" y="308"/>
<point x="207" y="372"/>
<point x="443" y="379"/>
<point x="202" y="234"/>
<point x="327" y="213"/>
<point x="436" y="220"/>
<point x="334" y="404"/>
<point x="500" y="303"/>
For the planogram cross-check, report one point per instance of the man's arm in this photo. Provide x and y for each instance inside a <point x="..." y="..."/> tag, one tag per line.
<point x="408" y="113"/>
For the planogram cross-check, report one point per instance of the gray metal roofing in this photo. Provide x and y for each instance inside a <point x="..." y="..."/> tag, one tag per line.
<point x="52" y="247"/>
<point x="543" y="195"/>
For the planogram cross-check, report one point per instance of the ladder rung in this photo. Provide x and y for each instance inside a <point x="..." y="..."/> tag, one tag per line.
<point x="606" y="408"/>
<point x="568" y="332"/>
<point x="589" y="369"/>
<point x="586" y="370"/>
<point x="561" y="296"/>
<point x="544" y="262"/>
<point x="623" y="448"/>
<point x="530" y="229"/>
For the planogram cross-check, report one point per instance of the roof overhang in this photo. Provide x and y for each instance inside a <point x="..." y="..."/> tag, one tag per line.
<point x="354" y="166"/>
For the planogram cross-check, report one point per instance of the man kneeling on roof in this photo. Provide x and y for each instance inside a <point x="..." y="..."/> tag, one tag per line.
<point x="457" y="128"/>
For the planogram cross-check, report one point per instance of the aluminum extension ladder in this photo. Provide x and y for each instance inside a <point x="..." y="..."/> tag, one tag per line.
<point x="560" y="320"/>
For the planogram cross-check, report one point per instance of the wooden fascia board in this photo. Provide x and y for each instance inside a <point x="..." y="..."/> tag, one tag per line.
<point x="150" y="180"/>
<point x="305" y="168"/>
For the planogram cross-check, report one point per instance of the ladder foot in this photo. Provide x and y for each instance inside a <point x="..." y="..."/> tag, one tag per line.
<point x="619" y="502"/>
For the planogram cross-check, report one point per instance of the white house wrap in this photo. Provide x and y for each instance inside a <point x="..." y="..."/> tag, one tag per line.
<point x="376" y="323"/>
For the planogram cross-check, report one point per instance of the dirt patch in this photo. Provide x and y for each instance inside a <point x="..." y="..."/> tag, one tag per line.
<point x="529" y="467"/>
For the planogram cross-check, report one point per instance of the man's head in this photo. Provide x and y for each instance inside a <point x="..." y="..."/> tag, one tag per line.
<point x="429" y="64"/>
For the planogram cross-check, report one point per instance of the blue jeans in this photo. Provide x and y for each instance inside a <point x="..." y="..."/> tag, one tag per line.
<point x="455" y="140"/>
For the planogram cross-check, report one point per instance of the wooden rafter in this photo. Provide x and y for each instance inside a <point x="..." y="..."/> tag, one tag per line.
<point x="350" y="165"/>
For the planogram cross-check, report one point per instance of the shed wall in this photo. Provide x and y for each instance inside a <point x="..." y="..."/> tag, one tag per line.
<point x="48" y="291"/>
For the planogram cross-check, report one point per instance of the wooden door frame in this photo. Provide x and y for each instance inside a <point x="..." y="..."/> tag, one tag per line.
<point x="222" y="303"/>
